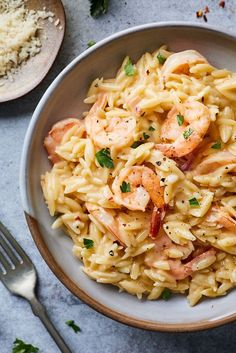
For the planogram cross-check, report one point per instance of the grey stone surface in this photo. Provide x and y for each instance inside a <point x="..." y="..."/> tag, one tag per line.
<point x="99" y="334"/>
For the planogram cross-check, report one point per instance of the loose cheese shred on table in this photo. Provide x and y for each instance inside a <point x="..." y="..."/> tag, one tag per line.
<point x="19" y="38"/>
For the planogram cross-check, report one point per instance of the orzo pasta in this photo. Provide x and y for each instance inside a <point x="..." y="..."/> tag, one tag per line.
<point x="145" y="183"/>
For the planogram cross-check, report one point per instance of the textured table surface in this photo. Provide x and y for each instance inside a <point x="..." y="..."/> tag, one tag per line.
<point x="99" y="334"/>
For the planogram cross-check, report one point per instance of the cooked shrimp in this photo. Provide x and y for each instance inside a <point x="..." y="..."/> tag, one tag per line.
<point x="144" y="185"/>
<point x="115" y="132"/>
<point x="222" y="217"/>
<point x="107" y="220"/>
<point x="164" y="246"/>
<point x="179" y="63"/>
<point x="216" y="160"/>
<point x="181" y="271"/>
<point x="56" y="135"/>
<point x="195" y="121"/>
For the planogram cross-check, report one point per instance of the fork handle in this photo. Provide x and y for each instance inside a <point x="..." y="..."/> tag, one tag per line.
<point x="39" y="310"/>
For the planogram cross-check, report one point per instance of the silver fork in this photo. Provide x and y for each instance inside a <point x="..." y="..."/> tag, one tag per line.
<point x="18" y="274"/>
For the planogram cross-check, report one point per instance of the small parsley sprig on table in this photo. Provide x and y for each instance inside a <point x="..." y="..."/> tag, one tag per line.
<point x="91" y="43"/>
<point x="22" y="347"/>
<point x="74" y="327"/>
<point x="98" y="7"/>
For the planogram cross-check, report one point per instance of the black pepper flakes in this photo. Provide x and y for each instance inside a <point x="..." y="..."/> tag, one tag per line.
<point x="163" y="179"/>
<point x="111" y="253"/>
<point x="158" y="163"/>
<point x="205" y="18"/>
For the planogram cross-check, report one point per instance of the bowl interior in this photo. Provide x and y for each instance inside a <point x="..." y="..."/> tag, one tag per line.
<point x="65" y="97"/>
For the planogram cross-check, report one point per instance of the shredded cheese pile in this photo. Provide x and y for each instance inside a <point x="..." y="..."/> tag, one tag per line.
<point x="19" y="39"/>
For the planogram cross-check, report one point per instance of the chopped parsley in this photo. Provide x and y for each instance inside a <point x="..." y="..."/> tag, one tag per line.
<point x="104" y="158"/>
<point x="125" y="187"/>
<point x="194" y="202"/>
<point x="180" y="119"/>
<point x="74" y="327"/>
<point x="161" y="58"/>
<point x="91" y="43"/>
<point x="187" y="133"/>
<point x="129" y="68"/>
<point x="98" y="7"/>
<point x="151" y="128"/>
<point x="140" y="142"/>
<point x="137" y="143"/>
<point x="166" y="294"/>
<point x="22" y="347"/>
<point x="88" y="243"/>
<point x="145" y="136"/>
<point x="216" y="145"/>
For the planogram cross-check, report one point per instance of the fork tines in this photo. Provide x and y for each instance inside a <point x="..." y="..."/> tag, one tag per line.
<point x="11" y="254"/>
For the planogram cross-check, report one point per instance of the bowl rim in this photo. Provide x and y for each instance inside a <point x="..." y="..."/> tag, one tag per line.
<point x="33" y="224"/>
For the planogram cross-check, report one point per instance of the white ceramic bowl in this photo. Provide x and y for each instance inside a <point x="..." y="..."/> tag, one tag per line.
<point x="64" y="97"/>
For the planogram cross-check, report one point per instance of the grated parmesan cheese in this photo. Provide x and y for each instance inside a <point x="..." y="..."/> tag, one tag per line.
<point x="19" y="39"/>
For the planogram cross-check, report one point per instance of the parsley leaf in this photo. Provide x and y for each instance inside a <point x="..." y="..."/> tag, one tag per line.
<point x="91" y="43"/>
<point x="88" y="243"/>
<point x="137" y="143"/>
<point x="166" y="294"/>
<point x="74" y="327"/>
<point x="140" y="142"/>
<point x="22" y="347"/>
<point x="187" y="133"/>
<point x="145" y="136"/>
<point x="151" y="128"/>
<point x="180" y="119"/>
<point x="216" y="145"/>
<point x="194" y="202"/>
<point x="129" y="68"/>
<point x="125" y="187"/>
<point x="161" y="58"/>
<point x="98" y="7"/>
<point x="104" y="158"/>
